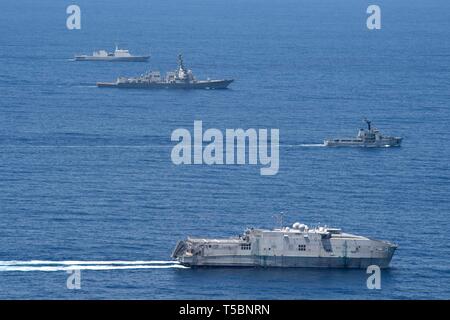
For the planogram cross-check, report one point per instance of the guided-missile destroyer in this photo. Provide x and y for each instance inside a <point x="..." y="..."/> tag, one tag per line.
<point x="182" y="78"/>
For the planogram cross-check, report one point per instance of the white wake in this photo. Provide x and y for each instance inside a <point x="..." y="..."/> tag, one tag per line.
<point x="303" y="145"/>
<point x="312" y="145"/>
<point x="67" y="265"/>
<point x="81" y="262"/>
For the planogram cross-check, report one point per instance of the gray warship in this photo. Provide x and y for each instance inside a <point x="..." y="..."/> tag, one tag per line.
<point x="117" y="55"/>
<point x="298" y="246"/>
<point x="182" y="78"/>
<point x="366" y="138"/>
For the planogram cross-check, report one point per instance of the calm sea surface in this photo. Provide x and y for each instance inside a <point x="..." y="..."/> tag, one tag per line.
<point x="86" y="173"/>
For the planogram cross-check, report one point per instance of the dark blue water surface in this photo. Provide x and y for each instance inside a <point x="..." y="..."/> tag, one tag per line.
<point x="86" y="173"/>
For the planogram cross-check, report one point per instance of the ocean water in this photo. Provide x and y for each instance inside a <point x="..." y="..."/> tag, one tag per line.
<point x="86" y="173"/>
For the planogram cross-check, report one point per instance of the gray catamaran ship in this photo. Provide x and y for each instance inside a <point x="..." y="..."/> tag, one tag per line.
<point x="182" y="78"/>
<point x="119" y="55"/>
<point x="366" y="138"/>
<point x="298" y="246"/>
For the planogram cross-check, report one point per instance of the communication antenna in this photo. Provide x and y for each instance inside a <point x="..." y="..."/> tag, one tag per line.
<point x="368" y="123"/>
<point x="279" y="217"/>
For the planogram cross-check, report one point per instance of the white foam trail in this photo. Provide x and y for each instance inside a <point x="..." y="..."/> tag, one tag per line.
<point x="312" y="145"/>
<point x="69" y="262"/>
<point x="302" y="145"/>
<point x="87" y="146"/>
<point x="90" y="267"/>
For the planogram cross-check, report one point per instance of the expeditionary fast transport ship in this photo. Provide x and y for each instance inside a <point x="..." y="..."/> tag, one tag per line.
<point x="366" y="138"/>
<point x="117" y="55"/>
<point x="182" y="78"/>
<point x="299" y="246"/>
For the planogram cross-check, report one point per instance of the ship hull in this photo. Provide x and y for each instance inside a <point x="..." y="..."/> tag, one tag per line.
<point x="285" y="262"/>
<point x="113" y="59"/>
<point x="322" y="253"/>
<point x="211" y="84"/>
<point x="394" y="142"/>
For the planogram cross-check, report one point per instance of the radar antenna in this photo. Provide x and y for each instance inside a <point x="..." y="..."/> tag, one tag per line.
<point x="180" y="62"/>
<point x="368" y="123"/>
<point x="279" y="217"/>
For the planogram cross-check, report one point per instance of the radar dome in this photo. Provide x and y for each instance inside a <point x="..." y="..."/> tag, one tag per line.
<point x="299" y="226"/>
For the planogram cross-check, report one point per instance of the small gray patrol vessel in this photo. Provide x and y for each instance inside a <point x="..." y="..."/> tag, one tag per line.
<point x="365" y="138"/>
<point x="298" y="246"/>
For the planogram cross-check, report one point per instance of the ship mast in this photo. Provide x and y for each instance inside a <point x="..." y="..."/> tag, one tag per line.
<point x="180" y="63"/>
<point x="279" y="219"/>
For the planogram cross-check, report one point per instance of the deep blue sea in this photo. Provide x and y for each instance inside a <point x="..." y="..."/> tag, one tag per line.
<point x="86" y="173"/>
